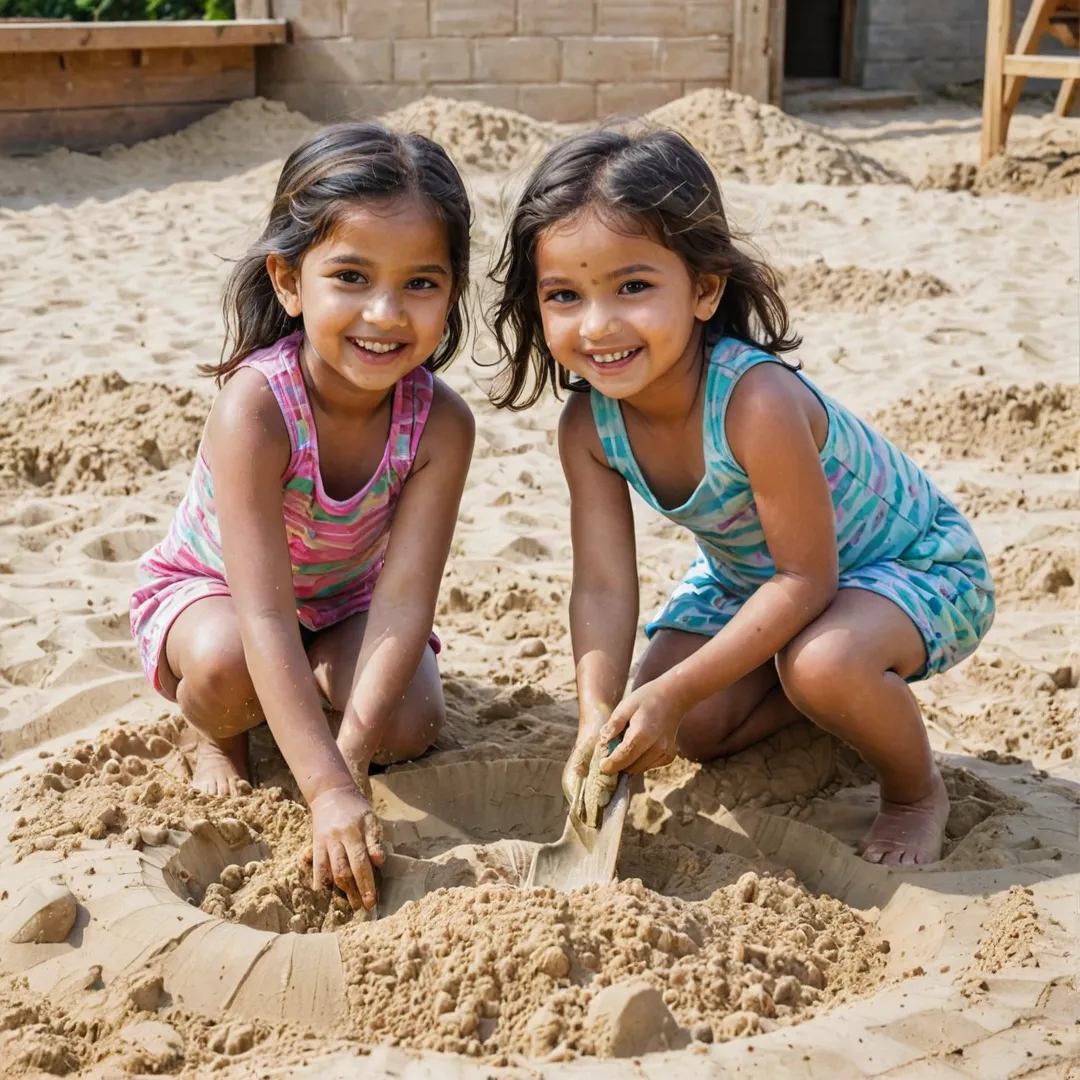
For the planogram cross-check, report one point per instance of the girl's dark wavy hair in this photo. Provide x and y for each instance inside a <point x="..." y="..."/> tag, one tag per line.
<point x="654" y="183"/>
<point x="341" y="165"/>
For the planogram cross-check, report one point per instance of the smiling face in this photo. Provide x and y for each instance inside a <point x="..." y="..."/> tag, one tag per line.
<point x="619" y="309"/>
<point x="374" y="294"/>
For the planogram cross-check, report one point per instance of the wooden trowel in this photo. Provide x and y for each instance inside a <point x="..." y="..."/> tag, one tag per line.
<point x="587" y="852"/>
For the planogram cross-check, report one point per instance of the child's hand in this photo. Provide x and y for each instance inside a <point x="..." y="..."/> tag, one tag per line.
<point x="649" y="719"/>
<point x="346" y="840"/>
<point x="577" y="770"/>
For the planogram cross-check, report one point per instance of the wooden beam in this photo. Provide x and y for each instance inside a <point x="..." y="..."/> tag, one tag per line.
<point x="750" y="49"/>
<point x="1066" y="97"/>
<point x="777" y="26"/>
<point x="61" y="37"/>
<point x="1036" y="25"/>
<point x="998" y="37"/>
<point x="1043" y="67"/>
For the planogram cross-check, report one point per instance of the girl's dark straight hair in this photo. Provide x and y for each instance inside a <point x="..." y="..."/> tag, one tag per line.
<point x="654" y="183"/>
<point x="341" y="165"/>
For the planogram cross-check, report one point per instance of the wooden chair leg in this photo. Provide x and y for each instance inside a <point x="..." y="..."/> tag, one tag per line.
<point x="1066" y="97"/>
<point x="998" y="36"/>
<point x="1036" y="26"/>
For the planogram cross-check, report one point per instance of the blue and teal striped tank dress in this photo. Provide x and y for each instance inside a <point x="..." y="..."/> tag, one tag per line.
<point x="897" y="535"/>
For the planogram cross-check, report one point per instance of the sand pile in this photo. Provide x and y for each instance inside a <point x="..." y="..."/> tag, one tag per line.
<point x="97" y="431"/>
<point x="1025" y="711"/>
<point x="238" y="137"/>
<point x="975" y="499"/>
<point x="477" y="136"/>
<point x="1043" y="166"/>
<point x="758" y="953"/>
<point x="1033" y="426"/>
<point x="1030" y="574"/>
<point x="817" y="286"/>
<point x="760" y="144"/>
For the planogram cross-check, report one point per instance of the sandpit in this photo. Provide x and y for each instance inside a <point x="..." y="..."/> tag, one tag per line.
<point x="743" y="934"/>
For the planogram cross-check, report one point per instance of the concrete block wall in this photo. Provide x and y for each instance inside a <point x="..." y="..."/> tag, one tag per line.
<point x="565" y="60"/>
<point x="924" y="44"/>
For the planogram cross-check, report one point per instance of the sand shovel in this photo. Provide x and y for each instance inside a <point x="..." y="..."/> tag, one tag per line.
<point x="587" y="852"/>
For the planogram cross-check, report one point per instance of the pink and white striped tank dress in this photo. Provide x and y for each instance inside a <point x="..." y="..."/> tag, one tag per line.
<point x="336" y="547"/>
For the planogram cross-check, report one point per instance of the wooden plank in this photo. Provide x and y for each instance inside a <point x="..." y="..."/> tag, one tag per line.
<point x="847" y="41"/>
<point x="1066" y="96"/>
<point x="777" y="23"/>
<point x="750" y="49"/>
<point x="70" y="36"/>
<point x="90" y="130"/>
<point x="1036" y="25"/>
<point x="998" y="36"/>
<point x="126" y="77"/>
<point x="1043" y="67"/>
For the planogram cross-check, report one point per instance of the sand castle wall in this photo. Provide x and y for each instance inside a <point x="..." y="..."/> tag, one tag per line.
<point x="564" y="60"/>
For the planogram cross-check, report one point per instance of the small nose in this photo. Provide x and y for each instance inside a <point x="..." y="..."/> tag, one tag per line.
<point x="597" y="322"/>
<point x="384" y="309"/>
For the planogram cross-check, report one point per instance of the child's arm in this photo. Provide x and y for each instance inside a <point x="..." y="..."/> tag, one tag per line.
<point x="604" y="594"/>
<point x="403" y="604"/>
<point x="248" y="451"/>
<point x="770" y="432"/>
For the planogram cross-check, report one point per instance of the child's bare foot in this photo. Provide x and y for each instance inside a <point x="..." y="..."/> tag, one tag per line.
<point x="909" y="834"/>
<point x="221" y="765"/>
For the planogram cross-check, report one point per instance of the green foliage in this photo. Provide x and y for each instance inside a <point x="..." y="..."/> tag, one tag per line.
<point x="117" y="10"/>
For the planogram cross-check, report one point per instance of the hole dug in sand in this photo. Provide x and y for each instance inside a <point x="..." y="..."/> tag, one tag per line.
<point x="738" y="910"/>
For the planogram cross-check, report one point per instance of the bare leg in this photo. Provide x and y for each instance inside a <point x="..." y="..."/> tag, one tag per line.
<point x="846" y="672"/>
<point x="205" y="670"/>
<point x="727" y="722"/>
<point x="415" y="722"/>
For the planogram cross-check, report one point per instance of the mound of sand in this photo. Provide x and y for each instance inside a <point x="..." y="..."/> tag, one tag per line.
<point x="97" y="431"/>
<point x="817" y="286"/>
<point x="1044" y="166"/>
<point x="760" y="144"/>
<point x="1030" y="575"/>
<point x="477" y="136"/>
<point x="1034" y="425"/>
<point x="239" y="137"/>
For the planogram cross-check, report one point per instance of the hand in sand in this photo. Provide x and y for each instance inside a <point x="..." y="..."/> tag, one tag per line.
<point x="577" y="771"/>
<point x="648" y="720"/>
<point x="346" y="840"/>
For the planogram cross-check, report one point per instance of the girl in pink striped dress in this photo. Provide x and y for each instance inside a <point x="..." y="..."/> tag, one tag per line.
<point x="303" y="564"/>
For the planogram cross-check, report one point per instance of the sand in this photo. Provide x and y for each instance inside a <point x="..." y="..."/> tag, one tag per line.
<point x="743" y="933"/>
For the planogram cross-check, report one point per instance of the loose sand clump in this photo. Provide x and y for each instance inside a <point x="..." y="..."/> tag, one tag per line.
<point x="976" y="500"/>
<point x="477" y="136"/>
<point x="1033" y="426"/>
<point x="1011" y="932"/>
<point x="1046" y="166"/>
<point x="99" y="431"/>
<point x="760" y="144"/>
<point x="1030" y="575"/>
<point x="496" y="970"/>
<point x="819" y="287"/>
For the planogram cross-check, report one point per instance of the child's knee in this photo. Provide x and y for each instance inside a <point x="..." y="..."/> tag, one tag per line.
<point x="816" y="672"/>
<point x="216" y="678"/>
<point x="702" y="733"/>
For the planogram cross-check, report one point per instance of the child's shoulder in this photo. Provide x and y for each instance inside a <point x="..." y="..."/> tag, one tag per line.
<point x="449" y="424"/>
<point x="246" y="413"/>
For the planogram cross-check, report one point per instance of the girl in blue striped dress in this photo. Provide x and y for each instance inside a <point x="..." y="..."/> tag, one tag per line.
<point x="830" y="571"/>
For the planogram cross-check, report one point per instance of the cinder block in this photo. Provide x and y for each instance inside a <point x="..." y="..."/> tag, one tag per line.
<point x="362" y="101"/>
<point x="710" y="16"/>
<point x="565" y="103"/>
<point x="472" y="18"/>
<point x="432" y="60"/>
<point x="502" y="96"/>
<point x="376" y="18"/>
<point x="633" y="99"/>
<point x="700" y="58"/>
<point x="337" y="60"/>
<point x="311" y="99"/>
<point x="635" y="18"/>
<point x="558" y="17"/>
<point x="911" y="12"/>
<point x="610" y="59"/>
<point x="516" y="59"/>
<point x="918" y="41"/>
<point x="311" y="18"/>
